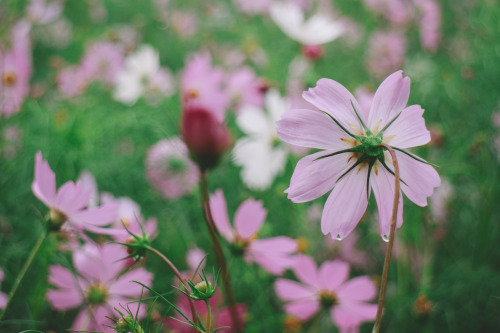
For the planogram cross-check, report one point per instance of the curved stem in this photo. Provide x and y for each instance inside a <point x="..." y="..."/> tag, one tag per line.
<point x="219" y="254"/>
<point x="387" y="261"/>
<point x="23" y="271"/>
<point x="181" y="279"/>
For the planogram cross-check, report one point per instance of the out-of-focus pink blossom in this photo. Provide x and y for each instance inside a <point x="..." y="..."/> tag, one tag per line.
<point x="72" y="81"/>
<point x="195" y="262"/>
<point x="3" y="296"/>
<point x="15" y="69"/>
<point x="348" y="165"/>
<point x="398" y="12"/>
<point x="430" y="23"/>
<point x="69" y="204"/>
<point x="365" y="98"/>
<point x="43" y="12"/>
<point x="102" y="62"/>
<point x="253" y="6"/>
<point x="220" y="315"/>
<point x="169" y="168"/>
<point x="97" y="286"/>
<point x="328" y="288"/>
<point x="495" y="119"/>
<point x="202" y="86"/>
<point x="386" y="52"/>
<point x="185" y="23"/>
<point x="439" y="201"/>
<point x="348" y="252"/>
<point x="244" y="88"/>
<point x="272" y="254"/>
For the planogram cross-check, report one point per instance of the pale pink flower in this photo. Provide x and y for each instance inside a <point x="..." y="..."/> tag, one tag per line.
<point x="170" y="170"/>
<point x="253" y="6"/>
<point x="43" y="12"/>
<point x="439" y="201"/>
<point x="386" y="52"/>
<point x="196" y="263"/>
<point x="220" y="315"/>
<point x="327" y="287"/>
<point x="15" y="69"/>
<point x="102" y="62"/>
<point x="245" y="88"/>
<point x="398" y="12"/>
<point x="201" y="86"/>
<point x="69" y="204"/>
<point x="97" y="285"/>
<point x="352" y="163"/>
<point x="3" y="296"/>
<point x="72" y="81"/>
<point x="272" y="254"/>
<point x="185" y="23"/>
<point x="430" y="23"/>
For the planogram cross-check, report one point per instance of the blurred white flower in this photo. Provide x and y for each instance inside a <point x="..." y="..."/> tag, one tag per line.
<point x="141" y="76"/>
<point x="261" y="153"/>
<point x="318" y="29"/>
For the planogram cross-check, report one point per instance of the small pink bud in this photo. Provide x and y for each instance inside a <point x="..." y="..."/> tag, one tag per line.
<point x="206" y="138"/>
<point x="313" y="52"/>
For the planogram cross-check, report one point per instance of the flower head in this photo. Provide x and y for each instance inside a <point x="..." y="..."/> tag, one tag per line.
<point x="273" y="254"/>
<point x="353" y="161"/>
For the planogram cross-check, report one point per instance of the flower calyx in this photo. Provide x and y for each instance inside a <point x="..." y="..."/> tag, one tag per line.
<point x="201" y="291"/>
<point x="137" y="245"/>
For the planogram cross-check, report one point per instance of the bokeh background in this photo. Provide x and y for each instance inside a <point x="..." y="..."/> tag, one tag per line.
<point x="444" y="276"/>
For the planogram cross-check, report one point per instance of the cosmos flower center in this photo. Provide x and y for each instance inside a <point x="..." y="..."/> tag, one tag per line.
<point x="9" y="79"/>
<point x="327" y="298"/>
<point x="97" y="293"/>
<point x="56" y="217"/>
<point x="192" y="94"/>
<point x="176" y="164"/>
<point x="371" y="144"/>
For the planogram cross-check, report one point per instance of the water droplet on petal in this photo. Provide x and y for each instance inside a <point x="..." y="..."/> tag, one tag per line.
<point x="385" y="238"/>
<point x="338" y="237"/>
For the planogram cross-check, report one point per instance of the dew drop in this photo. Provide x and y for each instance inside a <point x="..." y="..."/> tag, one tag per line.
<point x="385" y="238"/>
<point x="338" y="237"/>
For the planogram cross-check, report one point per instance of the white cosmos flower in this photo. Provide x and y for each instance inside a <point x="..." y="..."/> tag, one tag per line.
<point x="260" y="153"/>
<point x="141" y="76"/>
<point x="318" y="29"/>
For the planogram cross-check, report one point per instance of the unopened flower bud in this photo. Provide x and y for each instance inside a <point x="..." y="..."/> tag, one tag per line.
<point x="206" y="138"/>
<point x="56" y="219"/>
<point x="313" y="52"/>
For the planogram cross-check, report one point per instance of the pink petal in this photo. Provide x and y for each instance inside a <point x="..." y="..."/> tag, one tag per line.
<point x="409" y="129"/>
<point x="382" y="183"/>
<point x="360" y="288"/>
<point x="224" y="318"/>
<point x="219" y="214"/>
<point x="65" y="299"/>
<point x="332" y="274"/>
<point x="334" y="98"/>
<point x="124" y="286"/>
<point x="3" y="300"/>
<point x="390" y="99"/>
<point x="249" y="218"/>
<point x="310" y="128"/>
<point x="99" y="216"/>
<point x="288" y="290"/>
<point x="302" y="310"/>
<point x="351" y="315"/>
<point x="72" y="197"/>
<point x="273" y="254"/>
<point x="313" y="178"/>
<point x="420" y="179"/>
<point x="62" y="277"/>
<point x="346" y="204"/>
<point x="44" y="183"/>
<point x="306" y="271"/>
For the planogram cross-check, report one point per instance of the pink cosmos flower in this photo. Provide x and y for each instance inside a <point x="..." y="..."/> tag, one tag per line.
<point x="352" y="162"/>
<point x="3" y="296"/>
<point x="69" y="204"/>
<point x="170" y="170"/>
<point x="327" y="288"/>
<point x="220" y="315"/>
<point x="430" y="23"/>
<point x="97" y="285"/>
<point x="386" y="52"/>
<point x="15" y="69"/>
<point x="201" y="85"/>
<point x="253" y="6"/>
<point x="398" y="12"/>
<point x="41" y="12"/>
<point x="102" y="62"/>
<point x="244" y="88"/>
<point x="195" y="262"/>
<point x="272" y="254"/>
<point x="72" y="81"/>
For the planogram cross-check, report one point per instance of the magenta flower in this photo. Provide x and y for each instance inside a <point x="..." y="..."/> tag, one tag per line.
<point x="97" y="285"/>
<point x="69" y="203"/>
<point x="169" y="168"/>
<point x="272" y="254"/>
<point x="3" y="296"/>
<point x="327" y="288"/>
<point x="352" y="162"/>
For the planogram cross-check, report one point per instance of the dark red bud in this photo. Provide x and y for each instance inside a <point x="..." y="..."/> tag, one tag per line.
<point x="206" y="138"/>
<point x="313" y="52"/>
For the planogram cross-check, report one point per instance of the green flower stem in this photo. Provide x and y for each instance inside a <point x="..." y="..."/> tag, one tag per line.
<point x="387" y="261"/>
<point x="209" y="316"/>
<point x="23" y="271"/>
<point x="179" y="276"/>
<point x="219" y="254"/>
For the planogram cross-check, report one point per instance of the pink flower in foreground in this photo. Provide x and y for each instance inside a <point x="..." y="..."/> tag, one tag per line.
<point x="220" y="315"/>
<point x="69" y="203"/>
<point x="98" y="286"/>
<point x="327" y="288"/>
<point x="352" y="162"/>
<point x="272" y="254"/>
<point x="169" y="168"/>
<point x="3" y="296"/>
